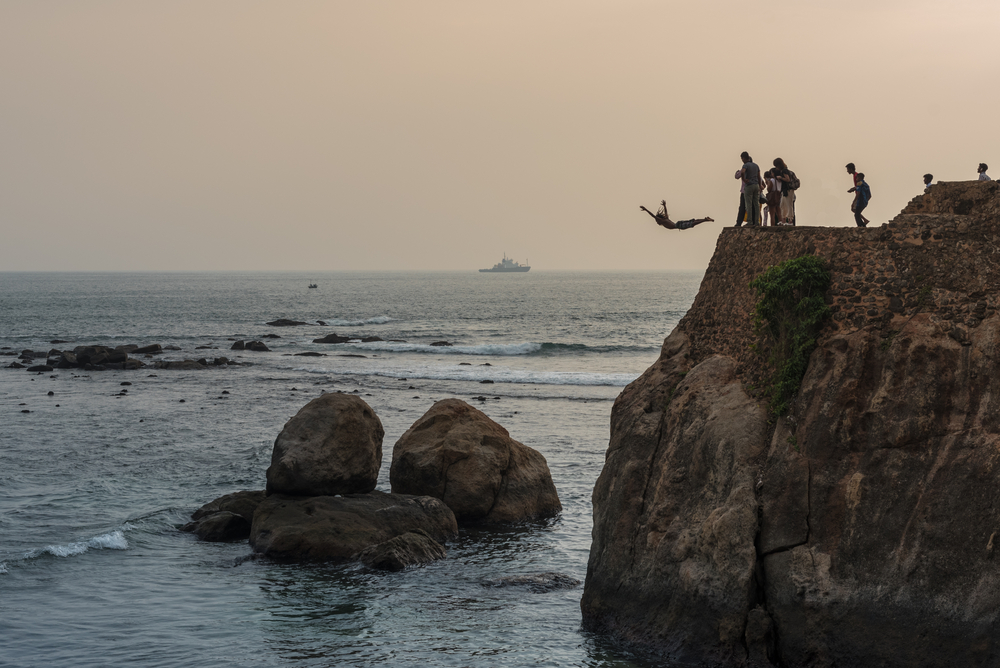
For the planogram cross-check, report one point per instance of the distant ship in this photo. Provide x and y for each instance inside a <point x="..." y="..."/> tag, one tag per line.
<point x="506" y="265"/>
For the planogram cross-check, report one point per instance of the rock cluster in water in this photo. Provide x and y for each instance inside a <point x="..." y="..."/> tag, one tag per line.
<point x="105" y="358"/>
<point x="321" y="505"/>
<point x="860" y="529"/>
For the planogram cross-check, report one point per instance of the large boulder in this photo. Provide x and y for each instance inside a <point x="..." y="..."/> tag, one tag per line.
<point x="339" y="528"/>
<point x="459" y="455"/>
<point x="333" y="445"/>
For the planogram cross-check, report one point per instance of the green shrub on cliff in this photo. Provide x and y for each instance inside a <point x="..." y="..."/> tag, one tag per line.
<point x="789" y="314"/>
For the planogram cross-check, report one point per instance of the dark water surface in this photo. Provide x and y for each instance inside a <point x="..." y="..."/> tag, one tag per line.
<point x="93" y="484"/>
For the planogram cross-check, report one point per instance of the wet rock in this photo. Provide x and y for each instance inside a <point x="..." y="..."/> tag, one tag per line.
<point x="338" y="528"/>
<point x="178" y="365"/>
<point x="220" y="361"/>
<point x="40" y="368"/>
<point x="66" y="360"/>
<point x="169" y="348"/>
<point x="310" y="353"/>
<point x="94" y="355"/>
<point x="220" y="527"/>
<point x="456" y="453"/>
<point x="441" y="344"/>
<point x="242" y="503"/>
<point x="371" y="339"/>
<point x="333" y="445"/>
<point x="257" y="346"/>
<point x="284" y="322"/>
<point x="409" y="549"/>
<point x="14" y="365"/>
<point x="153" y="349"/>
<point x="239" y="345"/>
<point x="332" y="338"/>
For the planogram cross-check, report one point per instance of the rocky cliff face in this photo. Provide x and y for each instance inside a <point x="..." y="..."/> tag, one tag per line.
<point x="860" y="529"/>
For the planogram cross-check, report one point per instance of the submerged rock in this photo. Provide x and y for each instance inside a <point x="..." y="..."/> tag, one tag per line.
<point x="339" y="528"/>
<point x="456" y="453"/>
<point x="333" y="445"/>
<point x="332" y="338"/>
<point x="409" y="549"/>
<point x="284" y="322"/>
<point x="535" y="582"/>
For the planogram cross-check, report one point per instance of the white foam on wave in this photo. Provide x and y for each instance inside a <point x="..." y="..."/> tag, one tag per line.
<point x="3" y="567"/>
<point x="496" y="349"/>
<point x="113" y="540"/>
<point x="377" y="320"/>
<point x="477" y="374"/>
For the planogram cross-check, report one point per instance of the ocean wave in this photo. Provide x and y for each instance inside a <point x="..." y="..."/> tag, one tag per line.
<point x="494" y="349"/>
<point x="477" y="374"/>
<point x="3" y="567"/>
<point x="113" y="540"/>
<point x="377" y="320"/>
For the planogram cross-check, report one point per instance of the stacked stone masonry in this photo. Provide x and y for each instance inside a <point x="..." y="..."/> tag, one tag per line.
<point x="934" y="258"/>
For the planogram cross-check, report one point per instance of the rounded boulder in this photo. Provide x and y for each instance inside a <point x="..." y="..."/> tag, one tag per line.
<point x="459" y="455"/>
<point x="332" y="446"/>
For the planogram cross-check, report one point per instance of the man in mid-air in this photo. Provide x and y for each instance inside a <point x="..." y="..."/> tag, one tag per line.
<point x="663" y="219"/>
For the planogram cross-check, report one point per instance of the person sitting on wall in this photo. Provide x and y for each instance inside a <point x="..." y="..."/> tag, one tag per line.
<point x="663" y="219"/>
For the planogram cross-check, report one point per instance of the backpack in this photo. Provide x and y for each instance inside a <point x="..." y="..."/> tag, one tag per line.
<point x="794" y="183"/>
<point x="866" y="192"/>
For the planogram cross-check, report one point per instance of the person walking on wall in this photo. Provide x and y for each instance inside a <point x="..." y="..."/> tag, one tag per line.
<point x="857" y="181"/>
<point x="752" y="183"/>
<point x="982" y="172"/>
<point x="862" y="195"/>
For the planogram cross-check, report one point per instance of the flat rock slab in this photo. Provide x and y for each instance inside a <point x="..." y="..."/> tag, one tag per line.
<point x="339" y="528"/>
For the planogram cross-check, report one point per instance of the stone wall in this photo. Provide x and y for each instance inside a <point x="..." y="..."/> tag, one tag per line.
<point x="940" y="256"/>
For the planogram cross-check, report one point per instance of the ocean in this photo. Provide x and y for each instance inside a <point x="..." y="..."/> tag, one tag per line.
<point x="96" y="476"/>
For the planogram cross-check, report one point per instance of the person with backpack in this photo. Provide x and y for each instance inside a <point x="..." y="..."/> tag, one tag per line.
<point x="789" y="184"/>
<point x="857" y="178"/>
<point x="861" y="199"/>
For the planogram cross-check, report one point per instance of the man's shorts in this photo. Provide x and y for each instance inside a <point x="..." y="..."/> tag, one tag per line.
<point x="686" y="224"/>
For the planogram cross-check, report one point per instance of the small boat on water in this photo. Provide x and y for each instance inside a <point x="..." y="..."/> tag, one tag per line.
<point x="313" y="285"/>
<point x="506" y="265"/>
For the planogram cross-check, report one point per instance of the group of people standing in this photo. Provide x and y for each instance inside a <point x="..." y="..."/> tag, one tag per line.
<point x="774" y="191"/>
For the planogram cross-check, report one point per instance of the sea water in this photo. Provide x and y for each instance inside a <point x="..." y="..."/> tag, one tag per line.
<point x="96" y="477"/>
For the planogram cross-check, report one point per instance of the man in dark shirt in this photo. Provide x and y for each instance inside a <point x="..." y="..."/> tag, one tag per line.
<point x="752" y="184"/>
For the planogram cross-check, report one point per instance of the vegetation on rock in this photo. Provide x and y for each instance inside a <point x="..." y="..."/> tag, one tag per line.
<point x="789" y="314"/>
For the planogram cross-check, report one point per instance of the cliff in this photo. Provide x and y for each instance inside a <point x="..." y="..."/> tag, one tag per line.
<point x="859" y="529"/>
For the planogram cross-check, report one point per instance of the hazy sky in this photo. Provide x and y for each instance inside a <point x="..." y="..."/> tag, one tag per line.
<point x="440" y="134"/>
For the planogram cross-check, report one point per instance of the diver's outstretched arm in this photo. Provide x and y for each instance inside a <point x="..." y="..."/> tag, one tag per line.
<point x="650" y="213"/>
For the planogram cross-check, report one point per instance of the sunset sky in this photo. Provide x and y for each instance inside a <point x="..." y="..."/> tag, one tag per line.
<point x="439" y="135"/>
